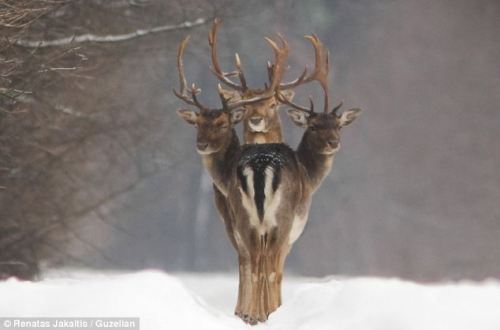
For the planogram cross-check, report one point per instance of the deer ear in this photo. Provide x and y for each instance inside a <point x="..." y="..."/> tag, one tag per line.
<point x="237" y="115"/>
<point x="300" y="118"/>
<point x="348" y="116"/>
<point x="188" y="115"/>
<point x="230" y="94"/>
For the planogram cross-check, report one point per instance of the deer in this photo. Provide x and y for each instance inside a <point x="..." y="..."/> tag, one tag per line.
<point x="268" y="187"/>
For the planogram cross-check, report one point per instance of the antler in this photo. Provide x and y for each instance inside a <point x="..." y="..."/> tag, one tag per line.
<point x="286" y="101"/>
<point x="182" y="81"/>
<point x="223" y="76"/>
<point x="320" y="73"/>
<point x="280" y="55"/>
<point x="275" y="71"/>
<point x="278" y="68"/>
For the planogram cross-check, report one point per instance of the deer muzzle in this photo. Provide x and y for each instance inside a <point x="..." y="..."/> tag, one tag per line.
<point x="257" y="124"/>
<point x="201" y="146"/>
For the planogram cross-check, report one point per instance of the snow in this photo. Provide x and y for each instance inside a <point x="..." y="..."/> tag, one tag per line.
<point x="206" y="301"/>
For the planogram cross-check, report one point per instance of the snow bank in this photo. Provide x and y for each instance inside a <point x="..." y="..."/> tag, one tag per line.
<point x="163" y="301"/>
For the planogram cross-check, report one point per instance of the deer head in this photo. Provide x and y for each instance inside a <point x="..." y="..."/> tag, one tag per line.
<point x="214" y="126"/>
<point x="262" y="116"/>
<point x="322" y="129"/>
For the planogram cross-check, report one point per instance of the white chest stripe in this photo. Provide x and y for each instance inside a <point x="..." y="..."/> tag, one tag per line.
<point x="247" y="199"/>
<point x="297" y="228"/>
<point x="271" y="200"/>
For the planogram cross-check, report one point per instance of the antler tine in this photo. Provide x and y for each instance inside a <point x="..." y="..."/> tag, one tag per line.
<point x="296" y="82"/>
<point x="223" y="76"/>
<point x="338" y="106"/>
<point x="195" y="91"/>
<point x="269" y="72"/>
<point x="180" y="66"/>
<point x="324" y="81"/>
<point x="284" y="100"/>
<point x="181" y="94"/>
<point x="240" y="71"/>
<point x="223" y="99"/>
<point x="285" y="44"/>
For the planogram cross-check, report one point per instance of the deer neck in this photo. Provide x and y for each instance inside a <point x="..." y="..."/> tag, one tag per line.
<point x="219" y="164"/>
<point x="317" y="164"/>
<point x="272" y="135"/>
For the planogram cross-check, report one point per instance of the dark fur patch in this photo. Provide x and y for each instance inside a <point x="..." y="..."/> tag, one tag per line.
<point x="258" y="183"/>
<point x="259" y="157"/>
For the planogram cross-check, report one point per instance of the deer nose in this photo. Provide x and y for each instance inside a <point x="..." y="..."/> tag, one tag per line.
<point x="255" y="120"/>
<point x="333" y="143"/>
<point x="201" y="145"/>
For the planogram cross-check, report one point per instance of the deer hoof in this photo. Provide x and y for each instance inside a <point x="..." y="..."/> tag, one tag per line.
<point x="248" y="319"/>
<point x="251" y="320"/>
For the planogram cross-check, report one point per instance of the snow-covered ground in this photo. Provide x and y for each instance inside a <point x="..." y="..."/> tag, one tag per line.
<point x="194" y="301"/>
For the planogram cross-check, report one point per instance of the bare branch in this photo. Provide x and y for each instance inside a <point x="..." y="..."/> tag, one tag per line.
<point x="108" y="38"/>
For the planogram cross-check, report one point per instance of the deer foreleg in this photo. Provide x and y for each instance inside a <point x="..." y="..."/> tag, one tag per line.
<point x="272" y="290"/>
<point x="252" y="302"/>
<point x="245" y="287"/>
<point x="280" y="265"/>
<point x="265" y="291"/>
